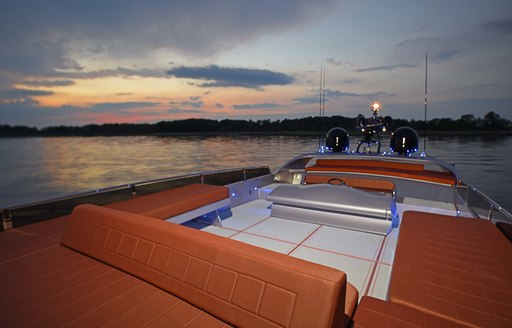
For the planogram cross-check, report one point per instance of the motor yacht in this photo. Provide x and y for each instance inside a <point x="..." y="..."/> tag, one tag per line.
<point x="333" y="238"/>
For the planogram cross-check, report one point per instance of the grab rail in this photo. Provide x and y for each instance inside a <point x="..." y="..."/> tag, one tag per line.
<point x="23" y="214"/>
<point x="483" y="206"/>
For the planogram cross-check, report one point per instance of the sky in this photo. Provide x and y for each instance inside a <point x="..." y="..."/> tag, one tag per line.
<point x="126" y="61"/>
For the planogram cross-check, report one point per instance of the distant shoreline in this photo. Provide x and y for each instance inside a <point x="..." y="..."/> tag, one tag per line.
<point x="316" y="133"/>
<point x="467" y="125"/>
<point x="268" y="133"/>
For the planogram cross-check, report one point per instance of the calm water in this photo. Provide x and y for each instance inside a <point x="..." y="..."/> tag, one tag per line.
<point x="36" y="168"/>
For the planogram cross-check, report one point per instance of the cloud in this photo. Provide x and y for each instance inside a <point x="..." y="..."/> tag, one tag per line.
<point x="115" y="72"/>
<point x="22" y="93"/>
<point x="444" y="56"/>
<point x="440" y="50"/>
<point x="26" y="55"/>
<point x="351" y="81"/>
<point x="308" y="100"/>
<point x="340" y="94"/>
<point x="483" y="40"/>
<point x="195" y="104"/>
<point x="499" y="26"/>
<point x="229" y="77"/>
<point x="23" y="101"/>
<point x="109" y="106"/>
<point x="124" y="94"/>
<point x="385" y="68"/>
<point x="219" y="105"/>
<point x="49" y="83"/>
<point x="184" y="111"/>
<point x="336" y="62"/>
<point x="257" y="106"/>
<point x="17" y="112"/>
<point x="453" y="108"/>
<point x="41" y="39"/>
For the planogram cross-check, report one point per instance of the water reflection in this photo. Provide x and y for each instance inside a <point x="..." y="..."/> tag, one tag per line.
<point x="35" y="168"/>
<point x="482" y="161"/>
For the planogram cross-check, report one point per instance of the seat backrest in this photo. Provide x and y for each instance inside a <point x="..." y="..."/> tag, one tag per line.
<point x="240" y="284"/>
<point x="356" y="182"/>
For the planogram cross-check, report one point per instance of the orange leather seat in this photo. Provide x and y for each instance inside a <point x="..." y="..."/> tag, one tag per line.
<point x="375" y="313"/>
<point x="384" y="168"/>
<point x="169" y="203"/>
<point x="237" y="283"/>
<point x="456" y="268"/>
<point x="377" y="185"/>
<point x="45" y="284"/>
<point x="351" y="304"/>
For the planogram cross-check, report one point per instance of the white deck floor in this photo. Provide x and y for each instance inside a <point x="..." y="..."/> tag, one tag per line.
<point x="366" y="258"/>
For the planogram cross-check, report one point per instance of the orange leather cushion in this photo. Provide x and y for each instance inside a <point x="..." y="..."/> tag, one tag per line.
<point x="370" y="163"/>
<point x="361" y="183"/>
<point x="456" y="268"/>
<point x="238" y="283"/>
<point x="44" y="284"/>
<point x="350" y="303"/>
<point x="373" y="312"/>
<point x="169" y="203"/>
<point x="403" y="170"/>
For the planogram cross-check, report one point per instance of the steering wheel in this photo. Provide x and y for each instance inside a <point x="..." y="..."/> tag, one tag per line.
<point x="338" y="180"/>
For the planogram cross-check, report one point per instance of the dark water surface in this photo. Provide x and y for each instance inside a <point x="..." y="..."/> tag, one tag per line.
<point x="38" y="168"/>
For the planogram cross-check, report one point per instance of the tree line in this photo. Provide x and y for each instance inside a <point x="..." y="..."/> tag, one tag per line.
<point x="490" y="122"/>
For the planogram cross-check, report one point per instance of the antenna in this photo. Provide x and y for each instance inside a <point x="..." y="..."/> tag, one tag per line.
<point x="425" y="131"/>
<point x="321" y="90"/>
<point x="323" y="95"/>
<point x="321" y="110"/>
<point x="320" y="106"/>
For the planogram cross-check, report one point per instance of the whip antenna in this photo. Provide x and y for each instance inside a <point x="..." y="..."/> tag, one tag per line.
<point x="320" y="146"/>
<point x="323" y="95"/>
<point x="425" y="131"/>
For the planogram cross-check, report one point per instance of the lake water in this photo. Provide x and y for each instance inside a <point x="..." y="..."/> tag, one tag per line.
<point x="39" y="168"/>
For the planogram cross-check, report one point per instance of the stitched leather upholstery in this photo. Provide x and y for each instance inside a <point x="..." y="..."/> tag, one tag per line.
<point x="238" y="283"/>
<point x="169" y="203"/>
<point x="456" y="268"/>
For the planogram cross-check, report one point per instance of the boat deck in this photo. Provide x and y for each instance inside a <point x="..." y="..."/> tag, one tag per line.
<point x="41" y="274"/>
<point x="366" y="258"/>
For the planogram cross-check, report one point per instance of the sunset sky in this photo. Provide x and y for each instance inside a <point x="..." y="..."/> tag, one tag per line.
<point x="68" y="62"/>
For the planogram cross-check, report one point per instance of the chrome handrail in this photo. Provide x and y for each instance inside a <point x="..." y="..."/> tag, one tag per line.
<point x="483" y="205"/>
<point x="26" y="213"/>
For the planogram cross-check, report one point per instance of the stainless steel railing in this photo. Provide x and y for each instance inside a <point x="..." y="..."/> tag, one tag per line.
<point x="482" y="205"/>
<point x="23" y="214"/>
